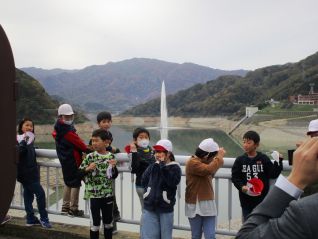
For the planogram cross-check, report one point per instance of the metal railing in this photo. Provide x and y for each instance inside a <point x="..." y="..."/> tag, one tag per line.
<point x="52" y="181"/>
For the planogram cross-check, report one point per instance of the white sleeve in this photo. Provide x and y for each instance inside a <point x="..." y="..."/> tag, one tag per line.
<point x="288" y="187"/>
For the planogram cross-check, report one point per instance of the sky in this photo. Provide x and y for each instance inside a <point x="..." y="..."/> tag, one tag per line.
<point x="224" y="34"/>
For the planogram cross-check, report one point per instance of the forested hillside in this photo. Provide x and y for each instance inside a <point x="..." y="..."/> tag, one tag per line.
<point x="229" y="95"/>
<point x="34" y="102"/>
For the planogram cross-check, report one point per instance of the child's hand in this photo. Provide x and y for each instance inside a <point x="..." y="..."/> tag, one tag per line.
<point x="90" y="167"/>
<point x="112" y="162"/>
<point x="133" y="147"/>
<point x="221" y="153"/>
<point x="244" y="189"/>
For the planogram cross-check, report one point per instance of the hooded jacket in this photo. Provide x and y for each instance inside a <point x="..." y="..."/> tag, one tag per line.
<point x="160" y="182"/>
<point x="69" y="149"/>
<point x="28" y="171"/>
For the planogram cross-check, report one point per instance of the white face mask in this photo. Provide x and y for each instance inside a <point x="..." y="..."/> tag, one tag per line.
<point x="143" y="143"/>
<point x="68" y="122"/>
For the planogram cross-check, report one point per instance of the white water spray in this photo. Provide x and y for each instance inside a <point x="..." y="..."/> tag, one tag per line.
<point x="163" y="113"/>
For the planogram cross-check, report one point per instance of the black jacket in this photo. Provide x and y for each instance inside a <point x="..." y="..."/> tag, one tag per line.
<point x="245" y="168"/>
<point x="160" y="182"/>
<point x="69" y="149"/>
<point x="28" y="171"/>
<point x="140" y="162"/>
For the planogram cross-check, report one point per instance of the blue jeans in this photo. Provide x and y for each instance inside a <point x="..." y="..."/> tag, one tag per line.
<point x="202" y="223"/>
<point x="29" y="190"/>
<point x="156" y="225"/>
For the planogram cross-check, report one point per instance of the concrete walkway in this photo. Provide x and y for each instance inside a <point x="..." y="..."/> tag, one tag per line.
<point x="16" y="229"/>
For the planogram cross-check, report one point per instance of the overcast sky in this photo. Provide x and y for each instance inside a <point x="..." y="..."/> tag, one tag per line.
<point x="224" y="34"/>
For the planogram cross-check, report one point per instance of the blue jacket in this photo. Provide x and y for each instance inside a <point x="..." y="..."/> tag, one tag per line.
<point x="28" y="171"/>
<point x="160" y="182"/>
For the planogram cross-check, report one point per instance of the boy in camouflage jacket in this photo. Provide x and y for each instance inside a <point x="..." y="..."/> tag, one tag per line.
<point x="100" y="170"/>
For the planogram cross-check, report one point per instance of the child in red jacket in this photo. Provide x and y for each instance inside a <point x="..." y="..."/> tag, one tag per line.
<point x="69" y="149"/>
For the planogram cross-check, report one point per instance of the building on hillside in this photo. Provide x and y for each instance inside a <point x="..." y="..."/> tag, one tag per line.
<point x="310" y="99"/>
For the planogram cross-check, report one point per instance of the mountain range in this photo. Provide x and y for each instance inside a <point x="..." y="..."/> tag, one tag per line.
<point x="118" y="86"/>
<point x="229" y="95"/>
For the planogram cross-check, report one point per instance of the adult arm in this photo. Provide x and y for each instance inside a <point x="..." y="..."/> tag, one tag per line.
<point x="278" y="216"/>
<point x="274" y="218"/>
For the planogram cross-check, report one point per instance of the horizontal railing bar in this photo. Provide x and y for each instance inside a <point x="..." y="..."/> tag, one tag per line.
<point x="123" y="157"/>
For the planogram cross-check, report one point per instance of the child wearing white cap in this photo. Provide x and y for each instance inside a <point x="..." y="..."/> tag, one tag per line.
<point x="313" y="128"/>
<point x="200" y="205"/>
<point x="160" y="181"/>
<point x="312" y="132"/>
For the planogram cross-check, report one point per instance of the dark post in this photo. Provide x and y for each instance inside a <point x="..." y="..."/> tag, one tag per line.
<point x="8" y="157"/>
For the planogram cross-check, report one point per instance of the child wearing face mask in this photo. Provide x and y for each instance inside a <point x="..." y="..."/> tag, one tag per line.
<point x="69" y="149"/>
<point x="142" y="156"/>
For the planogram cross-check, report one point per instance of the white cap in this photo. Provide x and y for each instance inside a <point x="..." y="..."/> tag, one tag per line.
<point x="208" y="145"/>
<point x="65" y="109"/>
<point x="313" y="126"/>
<point x="163" y="144"/>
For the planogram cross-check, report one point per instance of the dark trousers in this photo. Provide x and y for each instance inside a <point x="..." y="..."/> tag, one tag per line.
<point x="101" y="208"/>
<point x="29" y="190"/>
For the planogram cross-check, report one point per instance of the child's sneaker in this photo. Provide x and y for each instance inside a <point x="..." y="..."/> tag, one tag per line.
<point x="45" y="223"/>
<point x="65" y="211"/>
<point x="76" y="213"/>
<point x="33" y="222"/>
<point x="6" y="219"/>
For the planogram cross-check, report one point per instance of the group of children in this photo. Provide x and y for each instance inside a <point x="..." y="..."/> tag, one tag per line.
<point x="157" y="177"/>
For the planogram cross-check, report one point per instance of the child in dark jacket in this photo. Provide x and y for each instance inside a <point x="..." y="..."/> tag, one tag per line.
<point x="142" y="156"/>
<point x="69" y="149"/>
<point x="160" y="181"/>
<point x="29" y="175"/>
<point x="251" y="167"/>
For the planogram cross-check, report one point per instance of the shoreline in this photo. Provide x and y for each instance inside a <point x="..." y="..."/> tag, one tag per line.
<point x="275" y="134"/>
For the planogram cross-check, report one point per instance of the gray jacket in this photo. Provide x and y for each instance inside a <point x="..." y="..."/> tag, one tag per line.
<point x="281" y="216"/>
